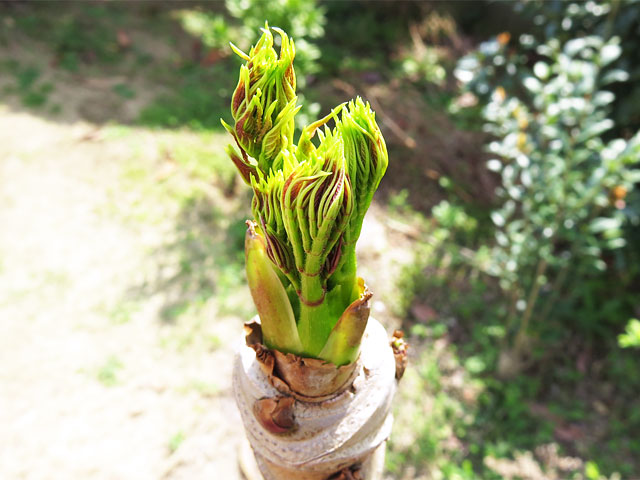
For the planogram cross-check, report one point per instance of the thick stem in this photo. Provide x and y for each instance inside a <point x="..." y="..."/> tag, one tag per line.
<point x="345" y="276"/>
<point x="313" y="327"/>
<point x="329" y="434"/>
<point x="312" y="331"/>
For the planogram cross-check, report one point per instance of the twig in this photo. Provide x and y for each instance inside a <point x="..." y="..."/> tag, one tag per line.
<point x="533" y="296"/>
<point x="396" y="129"/>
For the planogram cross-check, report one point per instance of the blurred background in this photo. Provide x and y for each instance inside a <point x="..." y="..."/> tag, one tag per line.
<point x="504" y="240"/>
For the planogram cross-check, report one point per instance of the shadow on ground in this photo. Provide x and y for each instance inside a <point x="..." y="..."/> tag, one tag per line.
<point x="129" y="64"/>
<point x="202" y="259"/>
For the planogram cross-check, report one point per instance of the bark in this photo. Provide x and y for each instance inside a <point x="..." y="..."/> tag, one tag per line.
<point x="328" y="428"/>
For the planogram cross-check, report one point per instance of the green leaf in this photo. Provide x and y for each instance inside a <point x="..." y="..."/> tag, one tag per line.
<point x="595" y="129"/>
<point x="632" y="176"/>
<point x="475" y="364"/>
<point x="494" y="165"/>
<point x="532" y="84"/>
<point x="618" y="242"/>
<point x="603" y="224"/>
<point x="343" y="344"/>
<point x="631" y="336"/>
<point x="541" y="70"/>
<point x="497" y="219"/>
<point x="603" y="98"/>
<point x="573" y="47"/>
<point x="592" y="471"/>
<point x="609" y="53"/>
<point x="613" y="76"/>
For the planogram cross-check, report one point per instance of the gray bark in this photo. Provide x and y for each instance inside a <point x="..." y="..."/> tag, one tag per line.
<point x="338" y="432"/>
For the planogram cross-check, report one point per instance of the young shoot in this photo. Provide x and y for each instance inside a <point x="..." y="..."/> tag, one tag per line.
<point x="309" y="203"/>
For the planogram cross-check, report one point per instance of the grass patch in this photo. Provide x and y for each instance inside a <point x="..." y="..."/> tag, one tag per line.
<point x="198" y="97"/>
<point x="26" y="84"/>
<point x="124" y="91"/>
<point x="123" y="312"/>
<point x="107" y="374"/>
<point x="77" y="34"/>
<point x="175" y="441"/>
<point x="570" y="414"/>
<point x="432" y="417"/>
<point x="182" y="182"/>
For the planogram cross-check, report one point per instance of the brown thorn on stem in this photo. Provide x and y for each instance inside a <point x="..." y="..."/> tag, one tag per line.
<point x="348" y="473"/>
<point x="275" y="414"/>
<point x="400" y="348"/>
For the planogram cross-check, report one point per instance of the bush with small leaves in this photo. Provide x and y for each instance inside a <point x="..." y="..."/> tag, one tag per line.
<point x="561" y="195"/>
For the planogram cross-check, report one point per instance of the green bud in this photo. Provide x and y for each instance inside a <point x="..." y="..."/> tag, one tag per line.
<point x="316" y="206"/>
<point x="267" y="210"/>
<point x="367" y="158"/>
<point x="366" y="162"/>
<point x="264" y="101"/>
<point x="309" y="204"/>
<point x="276" y="140"/>
<point x="270" y="297"/>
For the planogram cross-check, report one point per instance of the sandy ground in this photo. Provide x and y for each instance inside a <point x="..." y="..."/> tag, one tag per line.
<point x="82" y="396"/>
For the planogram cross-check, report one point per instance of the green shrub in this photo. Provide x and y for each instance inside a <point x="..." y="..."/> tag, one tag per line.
<point x="561" y="197"/>
<point x="303" y="20"/>
<point x="564" y="20"/>
<point x="505" y="60"/>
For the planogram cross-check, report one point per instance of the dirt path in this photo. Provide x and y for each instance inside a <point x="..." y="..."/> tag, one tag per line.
<point x="90" y="388"/>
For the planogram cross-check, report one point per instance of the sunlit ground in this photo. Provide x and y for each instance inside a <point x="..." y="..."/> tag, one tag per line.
<point x="113" y="364"/>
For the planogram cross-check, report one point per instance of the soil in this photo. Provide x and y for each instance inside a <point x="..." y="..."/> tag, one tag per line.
<point x="81" y="395"/>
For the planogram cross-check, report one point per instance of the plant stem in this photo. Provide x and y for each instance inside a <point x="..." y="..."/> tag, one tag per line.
<point x="533" y="296"/>
<point x="513" y="300"/>
<point x="313" y="331"/>
<point x="345" y="275"/>
<point x="555" y="291"/>
<point x="313" y="325"/>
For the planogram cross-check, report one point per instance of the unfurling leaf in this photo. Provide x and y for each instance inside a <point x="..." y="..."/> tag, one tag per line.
<point x="264" y="102"/>
<point x="366" y="155"/>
